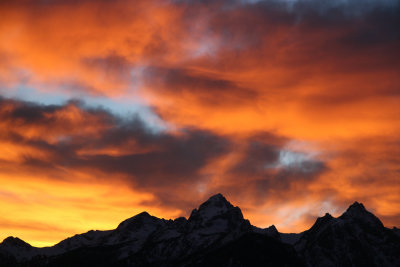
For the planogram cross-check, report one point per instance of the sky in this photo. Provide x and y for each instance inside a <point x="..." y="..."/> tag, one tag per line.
<point x="290" y="109"/>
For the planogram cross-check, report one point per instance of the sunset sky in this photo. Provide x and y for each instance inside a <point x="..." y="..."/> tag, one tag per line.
<point x="290" y="109"/>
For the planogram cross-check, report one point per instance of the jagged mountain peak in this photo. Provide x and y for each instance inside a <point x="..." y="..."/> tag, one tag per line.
<point x="214" y="206"/>
<point x="273" y="228"/>
<point x="138" y="221"/>
<point x="217" y="215"/>
<point x="321" y="223"/>
<point x="217" y="200"/>
<point x="357" y="212"/>
<point x="356" y="238"/>
<point x="15" y="242"/>
<point x="270" y="231"/>
<point x="217" y="230"/>
<point x="324" y="219"/>
<point x="356" y="207"/>
<point x="143" y="214"/>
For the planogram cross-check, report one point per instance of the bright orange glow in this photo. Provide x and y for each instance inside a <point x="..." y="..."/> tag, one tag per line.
<point x="45" y="211"/>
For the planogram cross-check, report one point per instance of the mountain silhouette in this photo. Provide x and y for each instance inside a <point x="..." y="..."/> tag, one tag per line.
<point x="216" y="234"/>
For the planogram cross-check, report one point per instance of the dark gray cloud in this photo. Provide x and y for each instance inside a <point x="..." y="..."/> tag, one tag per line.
<point x="162" y="162"/>
<point x="113" y="65"/>
<point x="162" y="158"/>
<point x="267" y="176"/>
<point x="208" y="90"/>
<point x="337" y="40"/>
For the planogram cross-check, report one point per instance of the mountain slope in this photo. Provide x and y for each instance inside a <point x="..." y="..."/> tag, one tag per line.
<point x="216" y="234"/>
<point x="356" y="238"/>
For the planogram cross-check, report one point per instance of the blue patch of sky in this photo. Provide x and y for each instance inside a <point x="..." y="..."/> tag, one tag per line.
<point x="292" y="159"/>
<point x="122" y="107"/>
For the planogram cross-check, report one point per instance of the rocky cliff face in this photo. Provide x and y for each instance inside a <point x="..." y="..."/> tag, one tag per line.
<point x="216" y="234"/>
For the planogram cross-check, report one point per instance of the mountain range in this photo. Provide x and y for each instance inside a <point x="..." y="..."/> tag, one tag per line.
<point x="216" y="234"/>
